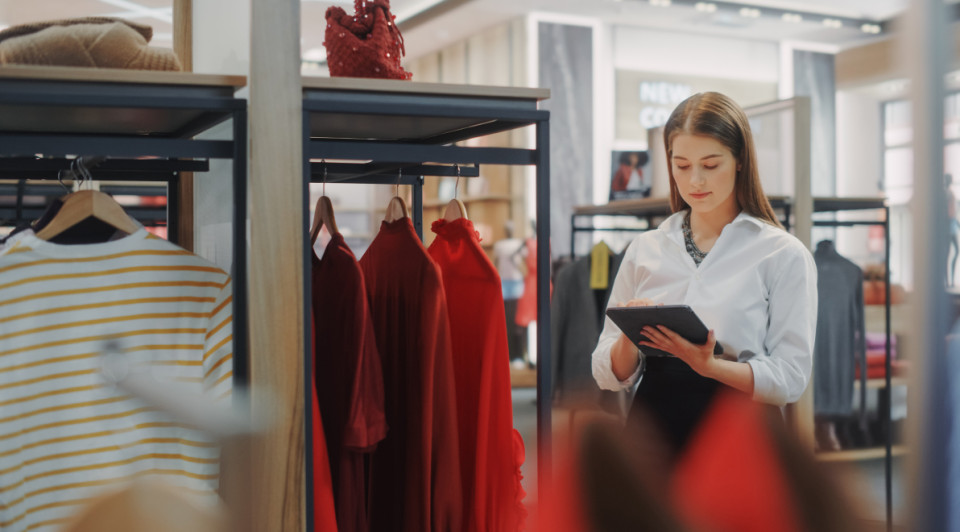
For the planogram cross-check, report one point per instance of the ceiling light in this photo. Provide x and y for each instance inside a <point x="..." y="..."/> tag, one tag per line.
<point x="870" y="28"/>
<point x="661" y="3"/>
<point x="832" y="23"/>
<point x="706" y="7"/>
<point x="792" y="17"/>
<point x="749" y="12"/>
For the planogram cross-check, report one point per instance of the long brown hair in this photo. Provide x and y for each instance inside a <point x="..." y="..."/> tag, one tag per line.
<point x="714" y="115"/>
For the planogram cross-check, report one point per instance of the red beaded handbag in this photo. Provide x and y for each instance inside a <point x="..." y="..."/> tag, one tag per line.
<point x="365" y="45"/>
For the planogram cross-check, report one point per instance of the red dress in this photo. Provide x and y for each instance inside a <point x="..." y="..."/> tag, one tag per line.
<point x="491" y="475"/>
<point x="348" y="376"/>
<point x="324" y="515"/>
<point x="527" y="305"/>
<point x="415" y="481"/>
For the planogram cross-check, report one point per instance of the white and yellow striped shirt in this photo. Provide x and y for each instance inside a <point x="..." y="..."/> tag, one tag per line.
<point x="65" y="434"/>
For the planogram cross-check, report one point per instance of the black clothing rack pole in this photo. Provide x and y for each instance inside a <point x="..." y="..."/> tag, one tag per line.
<point x="130" y="120"/>
<point x="425" y="122"/>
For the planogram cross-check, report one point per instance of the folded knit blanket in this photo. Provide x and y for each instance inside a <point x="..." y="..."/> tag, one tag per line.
<point x="85" y="42"/>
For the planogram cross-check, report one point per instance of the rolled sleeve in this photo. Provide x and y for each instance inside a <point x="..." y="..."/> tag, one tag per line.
<point x="783" y="373"/>
<point x="624" y="288"/>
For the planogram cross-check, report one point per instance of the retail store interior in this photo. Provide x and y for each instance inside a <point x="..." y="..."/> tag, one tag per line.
<point x="830" y="90"/>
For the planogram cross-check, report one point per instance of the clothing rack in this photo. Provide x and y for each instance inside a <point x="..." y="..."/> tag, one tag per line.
<point x="650" y="209"/>
<point x="392" y="130"/>
<point x="145" y="122"/>
<point x="834" y="205"/>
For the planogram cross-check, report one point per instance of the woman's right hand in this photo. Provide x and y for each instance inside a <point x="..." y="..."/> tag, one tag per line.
<point x="624" y="356"/>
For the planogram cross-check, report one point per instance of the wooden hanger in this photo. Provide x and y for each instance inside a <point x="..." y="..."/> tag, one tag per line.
<point x="85" y="204"/>
<point x="323" y="216"/>
<point x="397" y="208"/>
<point x="323" y="213"/>
<point x="455" y="209"/>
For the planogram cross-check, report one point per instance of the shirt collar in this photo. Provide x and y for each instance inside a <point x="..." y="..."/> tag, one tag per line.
<point x="673" y="225"/>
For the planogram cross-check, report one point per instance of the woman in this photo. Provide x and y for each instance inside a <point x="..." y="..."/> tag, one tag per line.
<point x="724" y="254"/>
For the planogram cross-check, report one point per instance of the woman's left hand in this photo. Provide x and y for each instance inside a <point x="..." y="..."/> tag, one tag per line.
<point x="699" y="357"/>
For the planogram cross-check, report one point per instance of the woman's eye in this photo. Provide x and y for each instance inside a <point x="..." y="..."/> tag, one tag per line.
<point x="710" y="167"/>
<point x="682" y="167"/>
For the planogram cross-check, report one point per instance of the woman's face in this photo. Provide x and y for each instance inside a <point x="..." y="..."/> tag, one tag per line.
<point x="705" y="173"/>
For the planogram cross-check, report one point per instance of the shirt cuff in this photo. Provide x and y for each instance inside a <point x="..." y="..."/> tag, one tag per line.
<point x="764" y="387"/>
<point x="632" y="379"/>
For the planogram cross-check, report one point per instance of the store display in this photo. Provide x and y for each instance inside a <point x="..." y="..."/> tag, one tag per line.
<point x="576" y="312"/>
<point x="66" y="435"/>
<point x="348" y="376"/>
<point x="415" y="479"/>
<point x="841" y="333"/>
<point x="99" y="42"/>
<point x="367" y="44"/>
<point x="488" y="457"/>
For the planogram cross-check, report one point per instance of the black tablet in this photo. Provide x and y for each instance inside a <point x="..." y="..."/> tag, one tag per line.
<point x="680" y="319"/>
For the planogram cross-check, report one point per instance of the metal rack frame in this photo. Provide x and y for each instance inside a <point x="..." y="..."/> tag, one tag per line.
<point x="331" y="116"/>
<point x="60" y="118"/>
<point x="834" y="205"/>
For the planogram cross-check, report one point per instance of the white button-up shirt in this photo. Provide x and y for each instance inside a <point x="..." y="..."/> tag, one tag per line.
<point x="756" y="288"/>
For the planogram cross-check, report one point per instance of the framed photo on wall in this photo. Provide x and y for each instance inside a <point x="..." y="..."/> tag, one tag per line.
<point x="631" y="176"/>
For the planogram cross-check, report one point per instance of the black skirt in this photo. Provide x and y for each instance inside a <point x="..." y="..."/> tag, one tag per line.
<point x="675" y="397"/>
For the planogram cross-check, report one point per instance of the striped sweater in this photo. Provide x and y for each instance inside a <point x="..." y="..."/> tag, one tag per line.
<point x="65" y="434"/>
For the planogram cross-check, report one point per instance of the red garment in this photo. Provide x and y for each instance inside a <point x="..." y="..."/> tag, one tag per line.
<point x="348" y="376"/>
<point x="877" y="368"/>
<point x="415" y="481"/>
<point x="491" y="475"/>
<point x="730" y="478"/>
<point x="324" y="515"/>
<point x="527" y="305"/>
<point x="622" y="178"/>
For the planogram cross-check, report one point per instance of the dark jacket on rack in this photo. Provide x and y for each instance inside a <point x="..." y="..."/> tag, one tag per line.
<point x="576" y="318"/>
<point x="841" y="334"/>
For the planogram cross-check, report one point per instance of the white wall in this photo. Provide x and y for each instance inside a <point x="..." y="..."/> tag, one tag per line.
<point x="690" y="54"/>
<point x="216" y="51"/>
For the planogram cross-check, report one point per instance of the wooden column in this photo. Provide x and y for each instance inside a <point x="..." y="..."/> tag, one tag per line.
<point x="183" y="47"/>
<point x="276" y="261"/>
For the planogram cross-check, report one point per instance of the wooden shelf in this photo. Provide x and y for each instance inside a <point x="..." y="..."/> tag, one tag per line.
<point x="523" y="378"/>
<point x="132" y="93"/>
<point x="418" y="88"/>
<point x="119" y="75"/>
<point x="331" y="105"/>
<point x="856" y="455"/>
<point x="879" y="384"/>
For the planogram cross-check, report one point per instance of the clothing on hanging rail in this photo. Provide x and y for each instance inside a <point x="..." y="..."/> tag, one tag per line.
<point x="415" y="482"/>
<point x="576" y="317"/>
<point x="348" y="375"/>
<point x="488" y="457"/>
<point x="68" y="436"/>
<point x="841" y="333"/>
